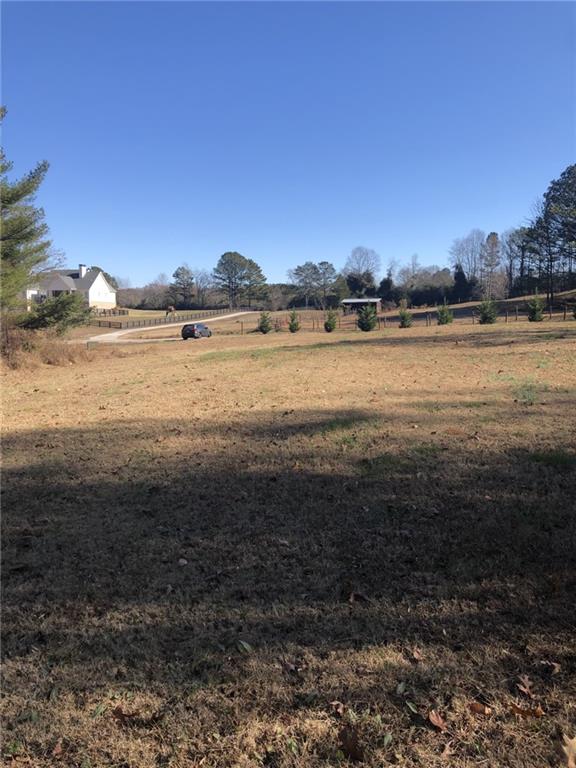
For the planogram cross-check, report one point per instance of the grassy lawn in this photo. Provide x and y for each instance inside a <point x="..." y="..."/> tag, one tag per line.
<point x="294" y="550"/>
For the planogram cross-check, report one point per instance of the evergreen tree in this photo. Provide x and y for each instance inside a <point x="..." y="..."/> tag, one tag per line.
<point x="230" y="275"/>
<point x="60" y="313"/>
<point x="254" y="284"/>
<point x="265" y="322"/>
<point x="367" y="318"/>
<point x="536" y="310"/>
<point x="293" y="322"/>
<point x="464" y="288"/>
<point x="488" y="312"/>
<point x="182" y="289"/>
<point x="331" y="320"/>
<point x="445" y="315"/>
<point x="24" y="243"/>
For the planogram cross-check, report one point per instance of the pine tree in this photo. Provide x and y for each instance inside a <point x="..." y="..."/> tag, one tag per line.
<point x="293" y="322"/>
<point x="367" y="318"/>
<point x="331" y="320"/>
<point x="536" y="310"/>
<point x="254" y="282"/>
<point x="445" y="315"/>
<point x="265" y="322"/>
<point x="25" y="247"/>
<point x="182" y="289"/>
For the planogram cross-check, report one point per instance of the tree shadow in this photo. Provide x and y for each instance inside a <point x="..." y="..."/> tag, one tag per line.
<point x="175" y="555"/>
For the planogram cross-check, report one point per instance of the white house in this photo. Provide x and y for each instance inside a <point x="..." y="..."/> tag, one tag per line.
<point x="90" y="282"/>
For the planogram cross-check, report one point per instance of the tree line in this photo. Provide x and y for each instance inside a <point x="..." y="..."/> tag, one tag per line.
<point x="537" y="257"/>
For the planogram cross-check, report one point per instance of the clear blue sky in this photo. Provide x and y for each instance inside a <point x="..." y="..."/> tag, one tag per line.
<point x="285" y="131"/>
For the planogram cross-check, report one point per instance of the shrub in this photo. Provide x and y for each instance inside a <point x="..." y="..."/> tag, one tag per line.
<point x="331" y="320"/>
<point x="536" y="310"/>
<point x="265" y="323"/>
<point x="28" y="349"/>
<point x="59" y="314"/>
<point x="367" y="318"/>
<point x="488" y="312"/>
<point x="406" y="318"/>
<point x="445" y="315"/>
<point x="293" y="322"/>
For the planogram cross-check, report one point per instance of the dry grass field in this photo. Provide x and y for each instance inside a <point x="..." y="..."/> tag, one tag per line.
<point x="309" y="550"/>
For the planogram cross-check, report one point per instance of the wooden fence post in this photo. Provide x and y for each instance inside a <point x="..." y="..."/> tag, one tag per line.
<point x="473" y="318"/>
<point x="516" y="309"/>
<point x="564" y="318"/>
<point x="506" y="315"/>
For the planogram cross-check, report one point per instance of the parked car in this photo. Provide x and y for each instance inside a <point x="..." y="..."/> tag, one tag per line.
<point x="195" y="331"/>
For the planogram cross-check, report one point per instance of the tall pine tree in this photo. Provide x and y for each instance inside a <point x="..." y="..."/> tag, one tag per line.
<point x="24" y="243"/>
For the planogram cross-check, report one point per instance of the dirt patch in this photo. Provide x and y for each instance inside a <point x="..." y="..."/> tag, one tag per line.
<point x="293" y="551"/>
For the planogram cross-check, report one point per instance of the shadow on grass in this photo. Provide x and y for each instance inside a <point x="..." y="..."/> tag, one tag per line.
<point x="152" y="556"/>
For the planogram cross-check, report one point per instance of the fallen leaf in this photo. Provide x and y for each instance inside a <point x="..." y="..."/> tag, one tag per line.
<point x="525" y="686"/>
<point x="123" y="718"/>
<point x="134" y="719"/>
<point x="244" y="647"/>
<point x="553" y="666"/>
<point x="400" y="688"/>
<point x="338" y="708"/>
<point x="350" y="744"/>
<point x="417" y="654"/>
<point x="534" y="712"/>
<point x="447" y="751"/>
<point x="569" y="749"/>
<point x="437" y="720"/>
<point x="480" y="709"/>
<point x="58" y="750"/>
<point x="387" y="740"/>
<point x="412" y="707"/>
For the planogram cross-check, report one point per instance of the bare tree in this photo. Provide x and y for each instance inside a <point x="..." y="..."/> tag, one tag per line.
<point x="361" y="261"/>
<point x="467" y="252"/>
<point x="204" y="283"/>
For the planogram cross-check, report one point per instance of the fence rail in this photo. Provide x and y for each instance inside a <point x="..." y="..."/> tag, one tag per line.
<point x="146" y="322"/>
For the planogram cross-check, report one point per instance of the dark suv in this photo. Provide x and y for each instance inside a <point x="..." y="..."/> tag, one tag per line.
<point x="195" y="331"/>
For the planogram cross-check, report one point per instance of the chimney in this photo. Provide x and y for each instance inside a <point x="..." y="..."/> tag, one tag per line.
<point x="82" y="269"/>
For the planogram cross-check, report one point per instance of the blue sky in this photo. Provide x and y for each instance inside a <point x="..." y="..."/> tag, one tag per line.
<point x="286" y="131"/>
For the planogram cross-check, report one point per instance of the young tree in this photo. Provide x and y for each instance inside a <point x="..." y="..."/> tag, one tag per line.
<point x="265" y="322"/>
<point x="367" y="318"/>
<point x="331" y="320"/>
<point x="293" y="322"/>
<point x="230" y="275"/>
<point x="182" y="287"/>
<point x="25" y="247"/>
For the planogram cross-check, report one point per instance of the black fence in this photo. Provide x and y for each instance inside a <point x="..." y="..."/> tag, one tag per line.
<point x="170" y="317"/>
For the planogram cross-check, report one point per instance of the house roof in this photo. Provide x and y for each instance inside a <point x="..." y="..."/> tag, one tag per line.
<point x="77" y="282"/>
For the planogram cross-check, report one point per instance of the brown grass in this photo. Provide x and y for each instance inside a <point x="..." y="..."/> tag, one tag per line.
<point x="206" y="545"/>
<point x="30" y="349"/>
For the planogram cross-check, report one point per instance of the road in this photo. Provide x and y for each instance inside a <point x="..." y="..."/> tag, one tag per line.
<point x="117" y="337"/>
